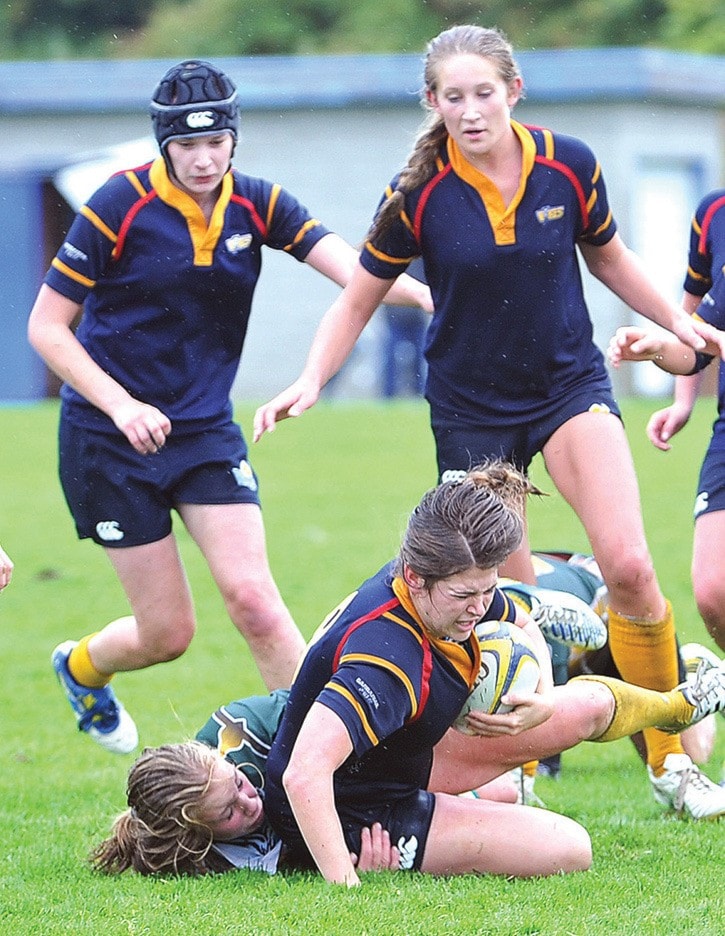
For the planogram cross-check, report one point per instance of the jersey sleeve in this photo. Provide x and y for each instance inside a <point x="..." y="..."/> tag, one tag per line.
<point x="86" y="251"/>
<point x="699" y="275"/>
<point x="245" y="728"/>
<point x="290" y="226"/>
<point x="579" y="162"/>
<point x="374" y="695"/>
<point x="390" y="255"/>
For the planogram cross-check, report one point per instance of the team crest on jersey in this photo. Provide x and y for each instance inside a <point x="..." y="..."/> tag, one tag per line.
<point x="244" y="476"/>
<point x="237" y="243"/>
<point x="549" y="213"/>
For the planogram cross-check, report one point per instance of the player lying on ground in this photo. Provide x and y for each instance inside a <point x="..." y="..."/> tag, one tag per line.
<point x="198" y="806"/>
<point x="472" y="525"/>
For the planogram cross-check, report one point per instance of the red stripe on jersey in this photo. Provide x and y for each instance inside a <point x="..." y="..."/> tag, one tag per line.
<point x="569" y="173"/>
<point x="425" y="680"/>
<point x="424" y="196"/>
<point x="128" y="221"/>
<point x="261" y="226"/>
<point x="376" y="612"/>
<point x="709" y="214"/>
<point x="135" y="169"/>
<point x="425" y="645"/>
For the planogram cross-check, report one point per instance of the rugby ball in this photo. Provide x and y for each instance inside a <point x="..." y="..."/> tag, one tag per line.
<point x="508" y="664"/>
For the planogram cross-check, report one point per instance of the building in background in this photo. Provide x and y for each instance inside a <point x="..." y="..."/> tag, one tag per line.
<point x="333" y="130"/>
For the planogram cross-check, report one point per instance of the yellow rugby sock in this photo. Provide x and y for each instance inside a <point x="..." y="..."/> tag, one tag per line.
<point x="645" y="653"/>
<point x="81" y="666"/>
<point x="636" y="709"/>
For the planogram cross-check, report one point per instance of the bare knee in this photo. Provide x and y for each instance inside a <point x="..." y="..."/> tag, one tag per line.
<point x="256" y="608"/>
<point x="629" y="571"/>
<point x="167" y="643"/>
<point x="576" y="852"/>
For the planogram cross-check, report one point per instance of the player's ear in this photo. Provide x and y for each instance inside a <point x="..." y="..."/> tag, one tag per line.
<point x="414" y="581"/>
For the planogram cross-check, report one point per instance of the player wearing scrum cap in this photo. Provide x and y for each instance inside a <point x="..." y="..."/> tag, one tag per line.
<point x="161" y="266"/>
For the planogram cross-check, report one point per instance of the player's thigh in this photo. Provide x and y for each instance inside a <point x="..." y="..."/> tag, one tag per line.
<point x="589" y="460"/>
<point x="153" y="578"/>
<point x="501" y="838"/>
<point x="583" y="709"/>
<point x="232" y="540"/>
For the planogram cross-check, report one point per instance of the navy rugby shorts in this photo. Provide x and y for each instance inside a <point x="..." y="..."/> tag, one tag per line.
<point x="461" y="446"/>
<point x="407" y="821"/>
<point x="120" y="498"/>
<point x="711" y="484"/>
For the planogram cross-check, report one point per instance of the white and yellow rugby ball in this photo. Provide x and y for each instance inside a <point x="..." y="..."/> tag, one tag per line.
<point x="508" y="664"/>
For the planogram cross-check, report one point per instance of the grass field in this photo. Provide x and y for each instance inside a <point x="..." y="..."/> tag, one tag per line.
<point x="336" y="489"/>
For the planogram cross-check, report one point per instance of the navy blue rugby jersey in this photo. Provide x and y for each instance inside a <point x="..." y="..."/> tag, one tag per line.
<point x="707" y="244"/>
<point x="511" y="335"/>
<point x="166" y="298"/>
<point x="706" y="277"/>
<point x="396" y="689"/>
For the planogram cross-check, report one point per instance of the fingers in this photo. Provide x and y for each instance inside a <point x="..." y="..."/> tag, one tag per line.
<point x="290" y="403"/>
<point x="376" y="852"/>
<point x="6" y="569"/>
<point x="145" y="427"/>
<point x="658" y="430"/>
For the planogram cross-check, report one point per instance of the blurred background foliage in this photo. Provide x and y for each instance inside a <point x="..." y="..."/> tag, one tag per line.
<point x="74" y="29"/>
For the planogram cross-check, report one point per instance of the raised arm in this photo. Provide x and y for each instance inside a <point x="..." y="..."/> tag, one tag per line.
<point x="50" y="333"/>
<point x="336" y="259"/>
<point x="322" y="745"/>
<point x="336" y="334"/>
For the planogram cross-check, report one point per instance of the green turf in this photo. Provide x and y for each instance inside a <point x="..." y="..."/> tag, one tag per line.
<point x="336" y="486"/>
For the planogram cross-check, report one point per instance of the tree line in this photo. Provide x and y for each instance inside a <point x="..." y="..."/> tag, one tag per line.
<point x="70" y="29"/>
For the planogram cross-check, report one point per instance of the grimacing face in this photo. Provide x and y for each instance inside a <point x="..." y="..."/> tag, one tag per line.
<point x="453" y="605"/>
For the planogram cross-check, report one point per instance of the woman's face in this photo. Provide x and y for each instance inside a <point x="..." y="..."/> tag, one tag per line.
<point x="232" y="806"/>
<point x="452" y="606"/>
<point x="474" y="102"/>
<point x="200" y="162"/>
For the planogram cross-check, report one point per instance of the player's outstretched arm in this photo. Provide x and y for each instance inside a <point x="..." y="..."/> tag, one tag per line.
<point x="50" y="333"/>
<point x="337" y="333"/>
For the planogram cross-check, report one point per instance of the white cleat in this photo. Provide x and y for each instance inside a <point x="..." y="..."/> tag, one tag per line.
<point x="567" y="619"/>
<point x="684" y="788"/>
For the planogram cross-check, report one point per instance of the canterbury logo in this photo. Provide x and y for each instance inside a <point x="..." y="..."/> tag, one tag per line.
<point x="109" y="530"/>
<point x="407" y="850"/>
<point x="197" y="120"/>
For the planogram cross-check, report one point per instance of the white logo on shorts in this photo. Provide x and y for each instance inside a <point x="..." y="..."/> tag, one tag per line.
<point x="701" y="502"/>
<point x="407" y="850"/>
<point x="109" y="530"/>
<point x="244" y="476"/>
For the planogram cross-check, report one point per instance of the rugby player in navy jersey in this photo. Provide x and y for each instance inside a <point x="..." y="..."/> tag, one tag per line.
<point x="364" y="735"/>
<point x="500" y="214"/>
<point x="706" y="262"/>
<point x="161" y="266"/>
